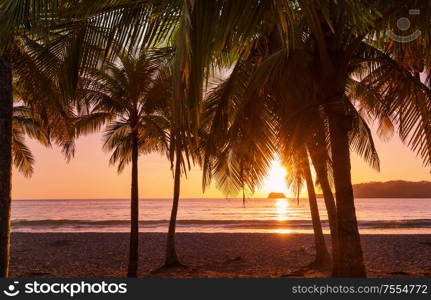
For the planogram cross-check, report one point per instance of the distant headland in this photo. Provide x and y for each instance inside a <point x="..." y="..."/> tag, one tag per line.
<point x="393" y="189"/>
<point x="276" y="195"/>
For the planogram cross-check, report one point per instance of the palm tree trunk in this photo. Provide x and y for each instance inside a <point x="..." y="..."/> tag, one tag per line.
<point x="6" y="107"/>
<point x="350" y="260"/>
<point x="322" y="175"/>
<point x="322" y="255"/>
<point x="171" y="253"/>
<point x="134" y="212"/>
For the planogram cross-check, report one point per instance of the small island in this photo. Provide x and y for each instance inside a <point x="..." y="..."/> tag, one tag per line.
<point x="276" y="195"/>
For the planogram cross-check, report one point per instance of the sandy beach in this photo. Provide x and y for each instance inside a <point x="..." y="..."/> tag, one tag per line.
<point x="206" y="255"/>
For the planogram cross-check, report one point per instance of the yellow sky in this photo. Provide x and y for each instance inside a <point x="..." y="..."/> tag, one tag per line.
<point x="88" y="175"/>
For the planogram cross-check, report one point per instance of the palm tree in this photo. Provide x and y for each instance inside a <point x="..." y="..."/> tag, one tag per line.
<point x="25" y="124"/>
<point x="171" y="257"/>
<point x="341" y="46"/>
<point x="182" y="152"/>
<point x="127" y="96"/>
<point x="295" y="158"/>
<point x="319" y="155"/>
<point x="41" y="115"/>
<point x="239" y="146"/>
<point x="6" y="113"/>
<point x="14" y="23"/>
<point x="9" y="23"/>
<point x="254" y="85"/>
<point x="300" y="103"/>
<point x="323" y="258"/>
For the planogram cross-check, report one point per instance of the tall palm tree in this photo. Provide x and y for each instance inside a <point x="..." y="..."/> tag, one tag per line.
<point x="291" y="103"/>
<point x="15" y="22"/>
<point x="171" y="257"/>
<point x="341" y="46"/>
<point x="6" y="113"/>
<point x="239" y="145"/>
<point x="319" y="155"/>
<point x="323" y="258"/>
<point x="8" y="26"/>
<point x="297" y="101"/>
<point x="41" y="114"/>
<point x="183" y="151"/>
<point x="295" y="158"/>
<point x="127" y="96"/>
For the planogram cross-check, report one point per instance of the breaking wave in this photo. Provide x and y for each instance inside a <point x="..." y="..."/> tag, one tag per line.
<point x="234" y="224"/>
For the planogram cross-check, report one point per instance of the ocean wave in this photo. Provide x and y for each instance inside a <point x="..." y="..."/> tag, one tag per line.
<point x="235" y="224"/>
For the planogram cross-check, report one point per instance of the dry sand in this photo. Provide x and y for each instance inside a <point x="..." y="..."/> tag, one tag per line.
<point x="207" y="255"/>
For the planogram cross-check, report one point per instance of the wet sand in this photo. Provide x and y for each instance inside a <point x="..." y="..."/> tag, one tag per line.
<point x="206" y="255"/>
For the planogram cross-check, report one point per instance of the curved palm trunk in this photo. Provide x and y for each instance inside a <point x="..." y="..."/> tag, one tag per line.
<point x="6" y="107"/>
<point x="322" y="255"/>
<point x="171" y="253"/>
<point x="350" y="260"/>
<point x="134" y="212"/>
<point x="322" y="175"/>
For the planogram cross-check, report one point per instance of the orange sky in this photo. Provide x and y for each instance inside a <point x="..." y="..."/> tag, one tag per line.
<point x="88" y="175"/>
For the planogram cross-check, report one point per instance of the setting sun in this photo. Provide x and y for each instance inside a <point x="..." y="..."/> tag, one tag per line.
<point x="276" y="179"/>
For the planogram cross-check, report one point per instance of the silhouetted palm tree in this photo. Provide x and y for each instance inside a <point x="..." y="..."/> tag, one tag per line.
<point x="6" y="115"/>
<point x="127" y="96"/>
<point x="290" y="111"/>
<point x="24" y="124"/>
<point x="16" y="21"/>
<point x="299" y="171"/>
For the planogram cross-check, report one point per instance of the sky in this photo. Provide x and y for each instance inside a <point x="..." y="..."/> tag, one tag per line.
<point x="89" y="174"/>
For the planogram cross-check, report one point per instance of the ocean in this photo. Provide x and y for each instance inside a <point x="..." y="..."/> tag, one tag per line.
<point x="375" y="216"/>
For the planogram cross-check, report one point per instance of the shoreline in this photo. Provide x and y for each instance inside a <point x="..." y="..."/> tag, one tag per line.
<point x="94" y="255"/>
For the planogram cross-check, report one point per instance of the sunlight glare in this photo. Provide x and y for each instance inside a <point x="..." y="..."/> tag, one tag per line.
<point x="283" y="231"/>
<point x="281" y="209"/>
<point x="276" y="179"/>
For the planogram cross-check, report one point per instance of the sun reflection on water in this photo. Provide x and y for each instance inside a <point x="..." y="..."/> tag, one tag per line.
<point x="283" y="231"/>
<point x="282" y="209"/>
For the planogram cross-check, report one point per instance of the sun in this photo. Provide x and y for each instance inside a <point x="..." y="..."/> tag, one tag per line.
<point x="276" y="179"/>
